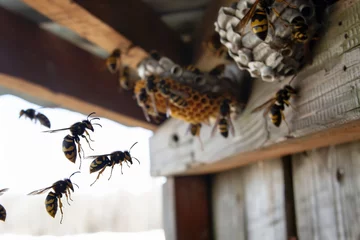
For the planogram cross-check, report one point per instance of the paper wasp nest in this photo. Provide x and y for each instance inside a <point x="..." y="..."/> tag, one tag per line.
<point x="205" y="91"/>
<point x="280" y="55"/>
<point x="200" y="107"/>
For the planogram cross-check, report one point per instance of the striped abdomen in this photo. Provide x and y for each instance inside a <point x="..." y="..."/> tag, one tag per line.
<point x="99" y="163"/>
<point x="259" y="23"/>
<point x="69" y="148"/>
<point x="224" y="127"/>
<point x="51" y="204"/>
<point x="275" y="114"/>
<point x="178" y="101"/>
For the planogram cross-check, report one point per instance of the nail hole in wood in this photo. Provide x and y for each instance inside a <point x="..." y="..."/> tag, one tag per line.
<point x="175" y="138"/>
<point x="340" y="23"/>
<point x="344" y="68"/>
<point x="346" y="36"/>
<point x="340" y="174"/>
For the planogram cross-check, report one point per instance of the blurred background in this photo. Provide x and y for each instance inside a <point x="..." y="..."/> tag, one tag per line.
<point x="126" y="206"/>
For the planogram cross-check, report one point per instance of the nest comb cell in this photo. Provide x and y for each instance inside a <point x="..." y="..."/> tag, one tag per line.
<point x="231" y="79"/>
<point x="199" y="108"/>
<point x="280" y="53"/>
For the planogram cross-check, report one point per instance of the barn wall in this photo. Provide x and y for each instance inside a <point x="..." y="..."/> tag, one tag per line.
<point x="311" y="195"/>
<point x="249" y="202"/>
<point x="327" y="192"/>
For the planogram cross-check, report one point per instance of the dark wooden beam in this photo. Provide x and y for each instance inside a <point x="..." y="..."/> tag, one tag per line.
<point x="36" y="63"/>
<point x="187" y="208"/>
<point x="139" y="23"/>
<point x="112" y="23"/>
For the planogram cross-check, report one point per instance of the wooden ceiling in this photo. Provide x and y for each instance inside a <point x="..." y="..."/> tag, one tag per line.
<point x="76" y="37"/>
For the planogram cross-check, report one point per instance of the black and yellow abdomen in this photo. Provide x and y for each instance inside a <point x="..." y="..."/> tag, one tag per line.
<point x="275" y="114"/>
<point x="178" y="101"/>
<point x="224" y="127"/>
<point x="2" y="213"/>
<point x="69" y="148"/>
<point x="259" y="23"/>
<point x="99" y="163"/>
<point x="300" y="29"/>
<point x="51" y="204"/>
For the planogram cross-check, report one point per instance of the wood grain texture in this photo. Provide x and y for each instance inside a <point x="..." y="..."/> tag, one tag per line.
<point x="168" y="209"/>
<point x="97" y="30"/>
<point x="137" y="22"/>
<point x="248" y="202"/>
<point x="327" y="203"/>
<point x="36" y="63"/>
<point x="187" y="208"/>
<point x="327" y="111"/>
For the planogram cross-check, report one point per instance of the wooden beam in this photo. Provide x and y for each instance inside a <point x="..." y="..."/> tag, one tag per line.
<point x="327" y="112"/>
<point x="37" y="64"/>
<point x="111" y="24"/>
<point x="187" y="208"/>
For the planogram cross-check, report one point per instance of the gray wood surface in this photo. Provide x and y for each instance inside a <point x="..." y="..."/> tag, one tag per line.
<point x="328" y="98"/>
<point x="169" y="210"/>
<point x="327" y="205"/>
<point x="248" y="203"/>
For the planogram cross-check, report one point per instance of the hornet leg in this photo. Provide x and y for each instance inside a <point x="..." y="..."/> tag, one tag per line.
<point x="87" y="142"/>
<point x="69" y="194"/>
<point x="112" y="167"/>
<point x="67" y="197"/>
<point x="88" y="136"/>
<point x="102" y="170"/>
<point x="61" y="211"/>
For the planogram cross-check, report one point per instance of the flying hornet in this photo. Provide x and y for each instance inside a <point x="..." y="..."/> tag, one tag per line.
<point x="223" y="121"/>
<point x="102" y="161"/>
<point x="76" y="130"/>
<point x="33" y="115"/>
<point x="258" y="14"/>
<point x="2" y="209"/>
<point x="60" y="187"/>
<point x="276" y="105"/>
<point x="113" y="62"/>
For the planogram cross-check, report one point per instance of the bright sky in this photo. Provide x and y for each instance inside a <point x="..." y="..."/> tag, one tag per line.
<point x="31" y="159"/>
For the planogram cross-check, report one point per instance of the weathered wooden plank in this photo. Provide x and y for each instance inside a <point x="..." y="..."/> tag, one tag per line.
<point x="327" y="188"/>
<point x="37" y="64"/>
<point x="327" y="111"/>
<point x="248" y="202"/>
<point x="166" y="6"/>
<point x="168" y="209"/>
<point x="140" y="24"/>
<point x="187" y="208"/>
<point x="109" y="25"/>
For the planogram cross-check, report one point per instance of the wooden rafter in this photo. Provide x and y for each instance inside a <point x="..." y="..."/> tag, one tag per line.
<point x="112" y="23"/>
<point x="38" y="65"/>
